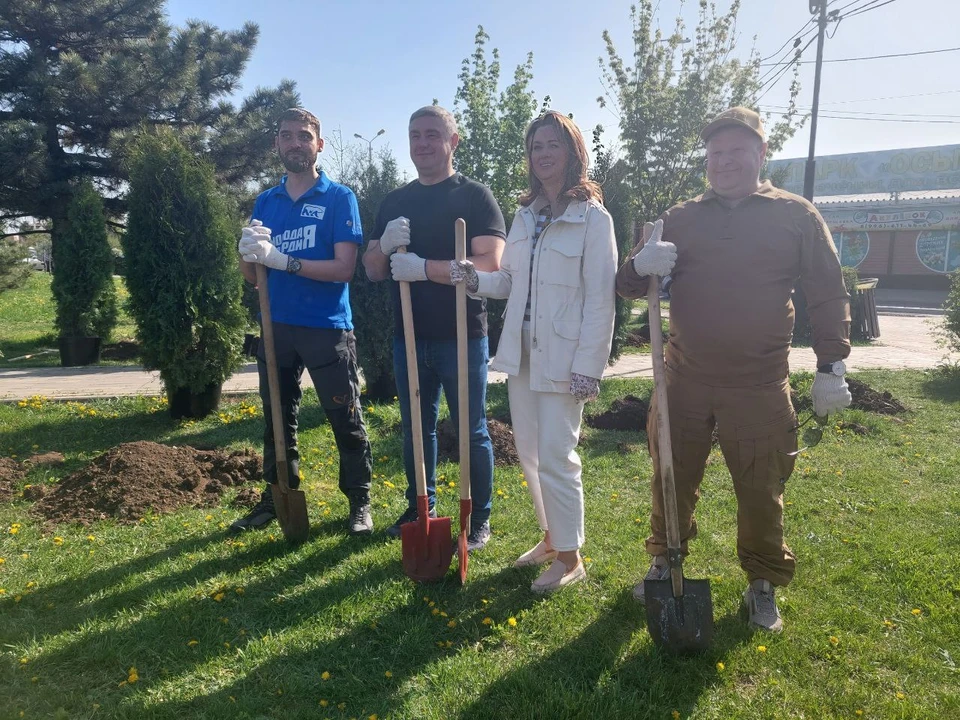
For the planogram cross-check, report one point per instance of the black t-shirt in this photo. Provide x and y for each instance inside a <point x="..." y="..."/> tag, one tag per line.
<point x="432" y="211"/>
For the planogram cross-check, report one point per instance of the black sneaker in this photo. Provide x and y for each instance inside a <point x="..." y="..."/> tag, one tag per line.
<point x="409" y="515"/>
<point x="477" y="538"/>
<point x="360" y="522"/>
<point x="261" y="515"/>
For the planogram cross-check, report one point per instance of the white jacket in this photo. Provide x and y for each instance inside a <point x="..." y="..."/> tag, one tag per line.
<point x="572" y="304"/>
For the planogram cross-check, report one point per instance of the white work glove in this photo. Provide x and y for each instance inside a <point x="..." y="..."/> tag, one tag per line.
<point x="830" y="393"/>
<point x="408" y="267"/>
<point x="463" y="271"/>
<point x="395" y="235"/>
<point x="250" y="235"/>
<point x="656" y="257"/>
<point x="583" y="387"/>
<point x="264" y="252"/>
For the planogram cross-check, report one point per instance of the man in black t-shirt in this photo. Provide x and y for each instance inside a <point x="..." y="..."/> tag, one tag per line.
<point x="421" y="216"/>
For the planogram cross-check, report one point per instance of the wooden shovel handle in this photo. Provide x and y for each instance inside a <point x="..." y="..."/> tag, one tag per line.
<point x="664" y="445"/>
<point x="413" y="382"/>
<point x="273" y="379"/>
<point x="463" y="370"/>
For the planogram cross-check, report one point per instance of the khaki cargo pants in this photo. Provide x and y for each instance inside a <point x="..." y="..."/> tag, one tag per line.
<point x="756" y="426"/>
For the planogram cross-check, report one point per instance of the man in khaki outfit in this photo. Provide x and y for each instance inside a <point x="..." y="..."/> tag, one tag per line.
<point x="735" y="255"/>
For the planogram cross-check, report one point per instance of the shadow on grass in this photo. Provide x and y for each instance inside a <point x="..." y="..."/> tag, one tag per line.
<point x="943" y="384"/>
<point x="404" y="641"/>
<point x="590" y="678"/>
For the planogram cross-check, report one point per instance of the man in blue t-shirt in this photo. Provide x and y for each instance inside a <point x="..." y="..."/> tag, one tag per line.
<point x="420" y="216"/>
<point x="306" y="231"/>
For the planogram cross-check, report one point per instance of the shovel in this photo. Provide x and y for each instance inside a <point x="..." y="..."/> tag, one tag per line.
<point x="463" y="394"/>
<point x="290" y="504"/>
<point x="679" y="610"/>
<point x="425" y="543"/>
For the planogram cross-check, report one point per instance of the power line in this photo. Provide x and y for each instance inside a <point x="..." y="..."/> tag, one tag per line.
<point x="878" y="57"/>
<point x="866" y="8"/>
<point x="887" y="114"/>
<point x="769" y="85"/>
<point x="799" y="34"/>
<point x="896" y="120"/>
<point x="892" y="97"/>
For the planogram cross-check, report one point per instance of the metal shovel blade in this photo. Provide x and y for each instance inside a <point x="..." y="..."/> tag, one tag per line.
<point x="291" y="507"/>
<point x="426" y="546"/>
<point x="680" y="624"/>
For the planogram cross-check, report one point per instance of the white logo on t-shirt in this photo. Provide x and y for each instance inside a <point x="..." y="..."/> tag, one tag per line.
<point x="313" y="211"/>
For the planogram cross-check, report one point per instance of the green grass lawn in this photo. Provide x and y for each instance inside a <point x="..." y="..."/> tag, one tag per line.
<point x="224" y="627"/>
<point x="27" y="324"/>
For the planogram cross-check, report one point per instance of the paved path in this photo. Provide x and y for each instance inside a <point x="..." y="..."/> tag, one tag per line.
<point x="905" y="342"/>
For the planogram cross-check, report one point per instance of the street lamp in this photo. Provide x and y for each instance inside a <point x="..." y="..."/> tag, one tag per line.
<point x="369" y="143"/>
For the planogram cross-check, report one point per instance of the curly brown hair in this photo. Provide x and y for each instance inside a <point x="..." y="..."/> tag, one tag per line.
<point x="576" y="185"/>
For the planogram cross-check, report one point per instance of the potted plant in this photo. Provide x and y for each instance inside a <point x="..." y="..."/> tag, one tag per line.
<point x="83" y="279"/>
<point x="181" y="269"/>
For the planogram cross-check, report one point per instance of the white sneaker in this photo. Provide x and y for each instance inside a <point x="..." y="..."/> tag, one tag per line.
<point x="659" y="570"/>
<point x="761" y="602"/>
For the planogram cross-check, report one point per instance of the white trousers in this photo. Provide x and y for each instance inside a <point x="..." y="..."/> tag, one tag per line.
<point x="546" y="428"/>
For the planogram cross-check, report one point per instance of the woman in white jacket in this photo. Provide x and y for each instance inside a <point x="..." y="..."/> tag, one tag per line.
<point x="558" y="274"/>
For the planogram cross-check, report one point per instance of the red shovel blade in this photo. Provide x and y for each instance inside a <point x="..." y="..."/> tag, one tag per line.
<point x="466" y="508"/>
<point x="426" y="545"/>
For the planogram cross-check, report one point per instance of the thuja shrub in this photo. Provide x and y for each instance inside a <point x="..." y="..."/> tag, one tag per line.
<point x="182" y="275"/>
<point x="83" y="269"/>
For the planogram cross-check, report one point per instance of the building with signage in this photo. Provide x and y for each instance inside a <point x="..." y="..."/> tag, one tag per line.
<point x="894" y="214"/>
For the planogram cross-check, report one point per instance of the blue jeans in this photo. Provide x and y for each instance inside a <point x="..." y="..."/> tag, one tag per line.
<point x="437" y="369"/>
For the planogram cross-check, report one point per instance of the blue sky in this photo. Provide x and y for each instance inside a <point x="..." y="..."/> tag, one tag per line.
<point x="362" y="65"/>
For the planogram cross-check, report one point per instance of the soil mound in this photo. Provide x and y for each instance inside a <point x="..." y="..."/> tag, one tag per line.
<point x="123" y="350"/>
<point x="11" y="472"/>
<point x="504" y="450"/>
<point x="866" y="398"/>
<point x="626" y="413"/>
<point x="132" y="479"/>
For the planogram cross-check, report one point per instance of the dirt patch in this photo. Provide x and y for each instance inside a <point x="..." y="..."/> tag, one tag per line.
<point x="35" y="492"/>
<point x="855" y="428"/>
<point x="866" y="398"/>
<point x="47" y="459"/>
<point x="132" y="479"/>
<point x="501" y="435"/>
<point x="246" y="498"/>
<point x="640" y="337"/>
<point x="11" y="472"/>
<point x="626" y="413"/>
<point x="123" y="350"/>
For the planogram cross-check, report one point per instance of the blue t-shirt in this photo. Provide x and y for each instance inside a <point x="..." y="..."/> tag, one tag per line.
<point x="308" y="228"/>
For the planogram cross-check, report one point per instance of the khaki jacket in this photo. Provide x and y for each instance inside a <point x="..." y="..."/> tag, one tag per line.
<point x="573" y="298"/>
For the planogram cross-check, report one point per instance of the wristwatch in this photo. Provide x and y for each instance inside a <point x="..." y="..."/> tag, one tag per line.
<point x="835" y="368"/>
<point x="293" y="265"/>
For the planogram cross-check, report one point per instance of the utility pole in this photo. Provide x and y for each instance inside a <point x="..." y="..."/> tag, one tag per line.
<point x="369" y="144"/>
<point x="810" y="171"/>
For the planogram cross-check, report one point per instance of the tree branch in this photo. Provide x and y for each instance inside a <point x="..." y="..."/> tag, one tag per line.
<point x="25" y="232"/>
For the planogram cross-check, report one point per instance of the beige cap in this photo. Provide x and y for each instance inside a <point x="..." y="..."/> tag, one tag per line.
<point x="737" y="116"/>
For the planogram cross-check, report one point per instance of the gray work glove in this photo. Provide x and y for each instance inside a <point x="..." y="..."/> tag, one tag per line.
<point x="395" y="235"/>
<point x="408" y="267"/>
<point x="584" y="388"/>
<point x="656" y="257"/>
<point x="463" y="271"/>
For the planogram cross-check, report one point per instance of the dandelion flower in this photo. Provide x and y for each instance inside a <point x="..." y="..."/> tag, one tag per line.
<point x="325" y="675"/>
<point x="487" y="621"/>
<point x="720" y="666"/>
<point x="58" y="540"/>
<point x="858" y="712"/>
<point x="900" y="696"/>
<point x="324" y="702"/>
<point x="761" y="648"/>
<point x="452" y="624"/>
<point x="91" y="538"/>
<point x="675" y="715"/>
<point x="512" y="622"/>
<point x="218" y="597"/>
<point x="834" y="640"/>
<point x="388" y="674"/>
<point x="916" y="611"/>
<point x="132" y="675"/>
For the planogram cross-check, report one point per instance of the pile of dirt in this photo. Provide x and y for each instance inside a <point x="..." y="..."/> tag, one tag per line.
<point x="132" y="479"/>
<point x="866" y="398"/>
<point x="11" y="472"/>
<point x="626" y="413"/>
<point x="641" y="337"/>
<point x="501" y="435"/>
<point x="47" y="459"/>
<point x="123" y="350"/>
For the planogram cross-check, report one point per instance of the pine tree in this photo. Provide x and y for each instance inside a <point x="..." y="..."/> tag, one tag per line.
<point x="76" y="78"/>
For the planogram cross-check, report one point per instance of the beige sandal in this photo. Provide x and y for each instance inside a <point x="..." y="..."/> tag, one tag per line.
<point x="557" y="577"/>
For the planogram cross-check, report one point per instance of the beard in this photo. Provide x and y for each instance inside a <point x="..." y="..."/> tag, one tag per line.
<point x="298" y="161"/>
